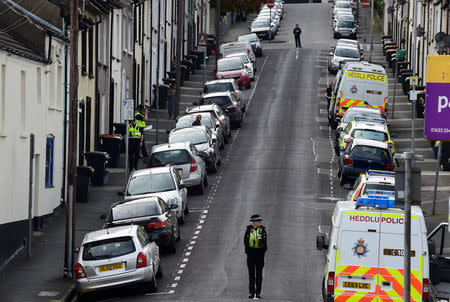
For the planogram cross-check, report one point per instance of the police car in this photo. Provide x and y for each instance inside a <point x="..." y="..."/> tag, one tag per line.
<point x="372" y="129"/>
<point x="358" y="112"/>
<point x="373" y="182"/>
<point x="364" y="260"/>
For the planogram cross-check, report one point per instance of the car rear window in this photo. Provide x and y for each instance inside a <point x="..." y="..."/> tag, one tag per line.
<point x="220" y="100"/>
<point x="151" y="183"/>
<point x="218" y="87"/>
<point x="135" y="210"/>
<point x="108" y="248"/>
<point x="187" y="122"/>
<point x="173" y="157"/>
<point x="228" y="65"/>
<point x="347" y="52"/>
<point x="370" y="152"/>
<point x="351" y="115"/>
<point x="378" y="187"/>
<point x="343" y="5"/>
<point x="370" y="134"/>
<point x="345" y="24"/>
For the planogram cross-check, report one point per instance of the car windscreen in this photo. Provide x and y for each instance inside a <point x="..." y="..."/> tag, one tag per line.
<point x="172" y="157"/>
<point x="345" y="24"/>
<point x="345" y="17"/>
<point x="370" y="134"/>
<point x="136" y="210"/>
<point x="369" y="152"/>
<point x="219" y="100"/>
<point x="378" y="187"/>
<point x="250" y="38"/>
<point x="245" y="59"/>
<point x="151" y="183"/>
<point x="260" y="24"/>
<point x="218" y="87"/>
<point x="351" y="115"/>
<point x="108" y="248"/>
<point x="187" y="122"/>
<point x="347" y="53"/>
<point x="343" y="5"/>
<point x="194" y="137"/>
<point x="228" y="65"/>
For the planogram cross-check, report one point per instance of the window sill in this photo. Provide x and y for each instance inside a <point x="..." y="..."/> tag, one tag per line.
<point x="84" y="73"/>
<point x="3" y="134"/>
<point x="91" y="76"/>
<point x="24" y="135"/>
<point x="130" y="53"/>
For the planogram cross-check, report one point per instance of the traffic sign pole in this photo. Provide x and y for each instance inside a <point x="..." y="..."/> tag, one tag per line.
<point x="270" y="5"/>
<point x="202" y="46"/>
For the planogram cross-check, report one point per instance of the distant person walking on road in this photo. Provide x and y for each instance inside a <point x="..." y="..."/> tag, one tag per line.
<point x="255" y="242"/>
<point x="297" y="31"/>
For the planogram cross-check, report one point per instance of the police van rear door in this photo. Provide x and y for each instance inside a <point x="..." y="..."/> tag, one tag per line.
<point x="391" y="273"/>
<point x="357" y="256"/>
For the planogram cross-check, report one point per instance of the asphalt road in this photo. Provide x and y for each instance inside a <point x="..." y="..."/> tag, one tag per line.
<point x="278" y="166"/>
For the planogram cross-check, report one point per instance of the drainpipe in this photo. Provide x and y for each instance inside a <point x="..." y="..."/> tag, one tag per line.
<point x="30" y="197"/>
<point x="65" y="118"/>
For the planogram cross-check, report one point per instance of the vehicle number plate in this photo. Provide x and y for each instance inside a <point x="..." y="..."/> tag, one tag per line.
<point x="358" y="285"/>
<point x="397" y="252"/>
<point x="110" y="267"/>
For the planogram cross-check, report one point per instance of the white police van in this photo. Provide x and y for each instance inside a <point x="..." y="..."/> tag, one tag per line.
<point x="364" y="260"/>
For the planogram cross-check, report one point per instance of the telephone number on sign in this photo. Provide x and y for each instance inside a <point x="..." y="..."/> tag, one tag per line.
<point x="440" y="130"/>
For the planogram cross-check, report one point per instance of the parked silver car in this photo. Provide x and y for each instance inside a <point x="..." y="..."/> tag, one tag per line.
<point x="186" y="160"/>
<point x="163" y="182"/>
<point x="218" y="113"/>
<point x="224" y="85"/>
<point x="116" y="257"/>
<point x="207" y="120"/>
<point x="203" y="139"/>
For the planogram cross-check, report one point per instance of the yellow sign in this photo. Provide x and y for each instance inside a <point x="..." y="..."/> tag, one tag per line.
<point x="413" y="81"/>
<point x="366" y="76"/>
<point x="438" y="69"/>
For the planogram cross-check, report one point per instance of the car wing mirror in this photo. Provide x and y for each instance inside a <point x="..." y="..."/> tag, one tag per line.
<point x="195" y="103"/>
<point x="77" y="250"/>
<point x="173" y="206"/>
<point x="330" y="54"/>
<point x="103" y="217"/>
<point x="214" y="140"/>
<point x="347" y="186"/>
<point x="321" y="242"/>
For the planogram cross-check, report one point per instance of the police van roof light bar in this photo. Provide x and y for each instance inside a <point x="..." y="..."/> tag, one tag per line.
<point x="380" y="172"/>
<point x="380" y="192"/>
<point x="376" y="201"/>
<point x="372" y="119"/>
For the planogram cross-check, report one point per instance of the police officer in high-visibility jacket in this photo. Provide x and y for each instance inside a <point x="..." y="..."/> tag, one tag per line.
<point x="255" y="242"/>
<point x="141" y="117"/>
<point x="134" y="144"/>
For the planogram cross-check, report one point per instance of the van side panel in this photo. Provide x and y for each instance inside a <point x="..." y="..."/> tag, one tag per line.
<point x="357" y="257"/>
<point x="391" y="278"/>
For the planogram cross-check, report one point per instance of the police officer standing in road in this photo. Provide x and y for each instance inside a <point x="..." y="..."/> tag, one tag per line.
<point x="134" y="142"/>
<point x="141" y="117"/>
<point x="255" y="242"/>
<point x="297" y="31"/>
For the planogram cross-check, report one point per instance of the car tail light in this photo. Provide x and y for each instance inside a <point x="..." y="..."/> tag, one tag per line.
<point x="348" y="160"/>
<point x="231" y="107"/>
<point x="79" y="271"/>
<point x="141" y="260"/>
<point x="193" y="166"/>
<point x="156" y="224"/>
<point x="358" y="193"/>
<point x="389" y="167"/>
<point x="330" y="282"/>
<point x="425" y="289"/>
<point x="236" y="94"/>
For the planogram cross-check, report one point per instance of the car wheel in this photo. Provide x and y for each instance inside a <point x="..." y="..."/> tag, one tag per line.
<point x="159" y="273"/>
<point x="181" y="219"/>
<point x="225" y="139"/>
<point x="229" y="132"/>
<point x="83" y="297"/>
<point x="334" y="124"/>
<point x="152" y="286"/>
<point x="342" y="180"/>
<point x="219" y="161"/>
<point x="201" y="187"/>
<point x="186" y="209"/>
<point x="339" y="172"/>
<point x="249" y="85"/>
<point x="214" y="168"/>
<point x="206" y="181"/>
<point x="222" y="146"/>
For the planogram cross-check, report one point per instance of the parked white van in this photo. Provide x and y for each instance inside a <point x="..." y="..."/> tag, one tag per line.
<point x="364" y="261"/>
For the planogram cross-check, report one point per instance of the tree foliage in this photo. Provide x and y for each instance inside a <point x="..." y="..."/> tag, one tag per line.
<point x="234" y="6"/>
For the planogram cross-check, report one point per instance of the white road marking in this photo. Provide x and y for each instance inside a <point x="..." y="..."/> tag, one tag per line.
<point x="296" y="54"/>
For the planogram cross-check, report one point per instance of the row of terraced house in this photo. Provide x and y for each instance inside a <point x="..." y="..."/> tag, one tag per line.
<point x="118" y="53"/>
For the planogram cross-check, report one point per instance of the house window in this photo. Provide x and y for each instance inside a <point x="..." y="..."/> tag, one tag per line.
<point x="83" y="52"/>
<point x="124" y="33"/>
<point x="49" y="162"/>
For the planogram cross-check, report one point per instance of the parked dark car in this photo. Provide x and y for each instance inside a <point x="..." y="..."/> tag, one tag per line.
<point x="362" y="155"/>
<point x="152" y="214"/>
<point x="228" y="103"/>
<point x="254" y="42"/>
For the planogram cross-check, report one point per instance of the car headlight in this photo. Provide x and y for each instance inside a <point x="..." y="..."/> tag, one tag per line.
<point x="244" y="73"/>
<point x="219" y="76"/>
<point x="335" y="61"/>
<point x="173" y="201"/>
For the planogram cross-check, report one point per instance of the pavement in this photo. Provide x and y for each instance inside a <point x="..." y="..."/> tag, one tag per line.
<point x="280" y="164"/>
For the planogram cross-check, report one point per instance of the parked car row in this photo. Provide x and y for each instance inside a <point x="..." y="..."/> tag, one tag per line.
<point x="156" y="200"/>
<point x="268" y="20"/>
<point x="344" y="19"/>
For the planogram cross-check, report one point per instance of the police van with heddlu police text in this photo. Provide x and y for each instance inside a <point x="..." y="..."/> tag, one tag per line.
<point x="364" y="260"/>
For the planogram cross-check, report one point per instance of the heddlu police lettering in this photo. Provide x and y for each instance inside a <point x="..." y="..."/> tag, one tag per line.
<point x="376" y="219"/>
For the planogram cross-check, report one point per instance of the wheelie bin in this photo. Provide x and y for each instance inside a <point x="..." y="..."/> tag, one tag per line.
<point x="121" y="128"/>
<point x="112" y="145"/>
<point x="84" y="174"/>
<point x="97" y="160"/>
